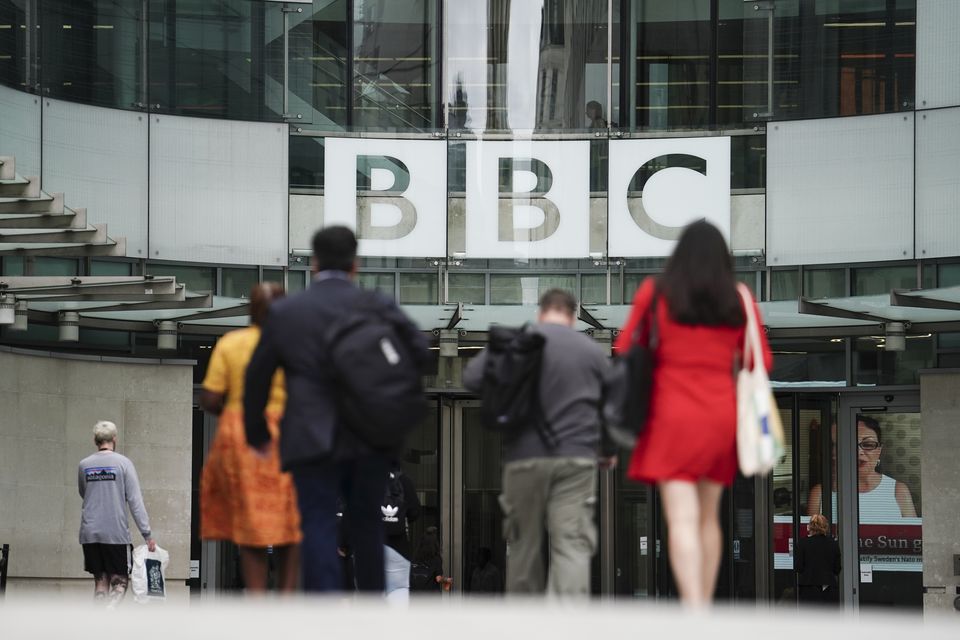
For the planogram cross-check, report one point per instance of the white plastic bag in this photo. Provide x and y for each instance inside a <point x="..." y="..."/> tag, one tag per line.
<point x="149" y="577"/>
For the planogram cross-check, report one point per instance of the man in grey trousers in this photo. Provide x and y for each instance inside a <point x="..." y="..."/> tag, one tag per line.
<point x="550" y="489"/>
<point x="108" y="484"/>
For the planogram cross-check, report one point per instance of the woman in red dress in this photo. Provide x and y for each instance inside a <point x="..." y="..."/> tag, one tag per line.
<point x="688" y="447"/>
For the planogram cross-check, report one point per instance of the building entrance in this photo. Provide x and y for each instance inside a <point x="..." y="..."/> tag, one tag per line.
<point x="855" y="458"/>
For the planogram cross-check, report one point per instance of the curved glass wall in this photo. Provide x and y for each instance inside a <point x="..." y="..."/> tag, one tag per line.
<point x="485" y="65"/>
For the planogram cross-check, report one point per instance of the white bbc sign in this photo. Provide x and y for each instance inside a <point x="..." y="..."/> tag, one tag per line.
<point x="524" y="199"/>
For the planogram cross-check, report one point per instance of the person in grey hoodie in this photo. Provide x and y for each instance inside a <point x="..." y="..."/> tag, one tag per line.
<point x="108" y="484"/>
<point x="550" y="489"/>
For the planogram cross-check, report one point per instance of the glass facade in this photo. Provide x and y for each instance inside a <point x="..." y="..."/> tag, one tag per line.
<point x="551" y="65"/>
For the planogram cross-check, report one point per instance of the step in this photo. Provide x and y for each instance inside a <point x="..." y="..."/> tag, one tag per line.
<point x="96" y="234"/>
<point x="116" y="248"/>
<point x="44" y="204"/>
<point x="20" y="187"/>
<point x="8" y="168"/>
<point x="69" y="219"/>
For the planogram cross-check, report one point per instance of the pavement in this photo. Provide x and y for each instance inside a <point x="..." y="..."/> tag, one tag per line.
<point x="274" y="618"/>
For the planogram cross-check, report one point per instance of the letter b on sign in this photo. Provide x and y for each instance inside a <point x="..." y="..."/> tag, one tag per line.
<point x="391" y="192"/>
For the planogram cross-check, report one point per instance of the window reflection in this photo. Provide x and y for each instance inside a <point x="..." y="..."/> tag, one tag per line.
<point x="672" y="63"/>
<point x="526" y="65"/>
<point x="13" y="49"/>
<point x="393" y="64"/>
<point x="91" y="51"/>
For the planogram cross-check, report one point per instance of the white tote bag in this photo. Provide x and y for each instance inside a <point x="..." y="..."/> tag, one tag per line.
<point x="759" y="430"/>
<point x="149" y="577"/>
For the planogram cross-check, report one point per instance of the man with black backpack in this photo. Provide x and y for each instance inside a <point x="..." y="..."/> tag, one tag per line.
<point x="541" y="388"/>
<point x="353" y="364"/>
<point x="400" y="507"/>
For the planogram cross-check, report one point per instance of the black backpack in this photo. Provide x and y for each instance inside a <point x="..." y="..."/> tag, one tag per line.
<point x="394" y="507"/>
<point x="510" y="387"/>
<point x="377" y="369"/>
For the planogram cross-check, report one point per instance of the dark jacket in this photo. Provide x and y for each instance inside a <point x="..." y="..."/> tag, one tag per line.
<point x="400" y="543"/>
<point x="293" y="338"/>
<point x="817" y="560"/>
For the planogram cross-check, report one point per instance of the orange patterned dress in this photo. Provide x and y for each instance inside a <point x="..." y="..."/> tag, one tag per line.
<point x="245" y="498"/>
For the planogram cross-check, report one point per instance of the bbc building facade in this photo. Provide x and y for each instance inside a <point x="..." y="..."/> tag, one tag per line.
<point x="162" y="156"/>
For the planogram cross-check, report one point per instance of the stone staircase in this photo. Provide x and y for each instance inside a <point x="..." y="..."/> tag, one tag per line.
<point x="33" y="222"/>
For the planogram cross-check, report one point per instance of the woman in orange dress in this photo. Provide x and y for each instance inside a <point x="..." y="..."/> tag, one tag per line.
<point x="245" y="498"/>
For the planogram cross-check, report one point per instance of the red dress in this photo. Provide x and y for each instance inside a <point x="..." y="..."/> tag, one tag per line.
<point x="691" y="430"/>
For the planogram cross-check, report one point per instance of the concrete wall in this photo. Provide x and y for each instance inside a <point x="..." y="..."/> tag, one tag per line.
<point x="940" y="477"/>
<point x="48" y="406"/>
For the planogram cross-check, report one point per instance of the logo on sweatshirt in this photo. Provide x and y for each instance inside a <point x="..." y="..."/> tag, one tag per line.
<point x="99" y="474"/>
<point x="390" y="513"/>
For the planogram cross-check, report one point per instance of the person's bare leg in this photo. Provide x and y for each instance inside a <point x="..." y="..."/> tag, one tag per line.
<point x="682" y="511"/>
<point x="253" y="563"/>
<point x="101" y="585"/>
<point x="711" y="537"/>
<point x="288" y="567"/>
<point x="118" y="589"/>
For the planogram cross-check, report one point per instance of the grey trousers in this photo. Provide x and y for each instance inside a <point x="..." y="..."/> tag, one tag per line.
<point x="552" y="497"/>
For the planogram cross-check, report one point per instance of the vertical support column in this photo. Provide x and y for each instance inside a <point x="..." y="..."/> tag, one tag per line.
<point x="762" y="535"/>
<point x="847" y="499"/>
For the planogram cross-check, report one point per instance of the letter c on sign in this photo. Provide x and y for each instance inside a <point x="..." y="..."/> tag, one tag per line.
<point x="644" y="173"/>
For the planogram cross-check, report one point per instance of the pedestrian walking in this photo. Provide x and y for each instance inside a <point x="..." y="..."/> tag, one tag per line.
<point x="550" y="468"/>
<point x="688" y="447"/>
<point x="400" y="508"/>
<point x="816" y="559"/>
<point x="331" y="454"/>
<point x="246" y="498"/>
<point x="108" y="484"/>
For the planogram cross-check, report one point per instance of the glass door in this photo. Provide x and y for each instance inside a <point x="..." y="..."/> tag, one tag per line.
<point x="479" y="560"/>
<point x="806" y="473"/>
<point x="882" y="438"/>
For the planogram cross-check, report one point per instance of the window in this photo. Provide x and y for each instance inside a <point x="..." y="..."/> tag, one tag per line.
<point x="296" y="281"/>
<point x="672" y="59"/>
<point x="382" y="282"/>
<point x="469" y="288"/>
<point x="785" y="285"/>
<point x="53" y="266"/>
<point x="880" y="280"/>
<point x="418" y="288"/>
<point x="110" y="268"/>
<point x="824" y="283"/>
<point x="496" y="80"/>
<point x="201" y="280"/>
<point x="526" y="289"/>
<point x="394" y="62"/>
<point x="273" y="275"/>
<point x="593" y="288"/>
<point x="237" y="283"/>
<point x="91" y="51"/>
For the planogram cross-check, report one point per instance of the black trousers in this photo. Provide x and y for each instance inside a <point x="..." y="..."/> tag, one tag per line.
<point x="816" y="594"/>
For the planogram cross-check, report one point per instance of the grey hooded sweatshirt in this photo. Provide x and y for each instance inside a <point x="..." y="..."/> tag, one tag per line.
<point x="108" y="483"/>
